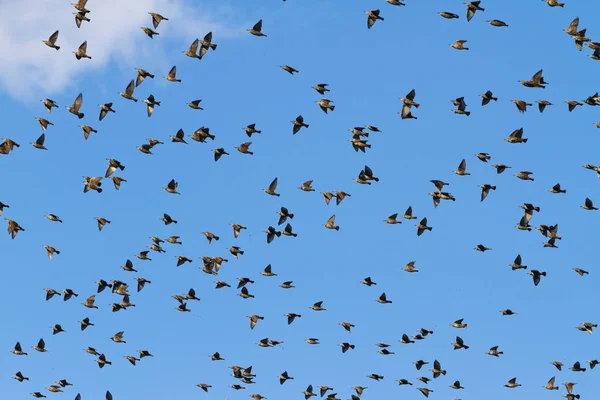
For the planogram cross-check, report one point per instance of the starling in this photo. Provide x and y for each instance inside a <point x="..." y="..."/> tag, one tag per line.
<point x="497" y="22"/>
<point x="289" y="69"/>
<point x="51" y="42"/>
<point x="74" y="108"/>
<point x="149" y="32"/>
<point x="156" y="19"/>
<point x="472" y="7"/>
<point x="39" y="143"/>
<point x="321" y="88"/>
<point x="171" y="77"/>
<point x="257" y="29"/>
<point x="372" y="16"/>
<point x="448" y="15"/>
<point x="82" y="51"/>
<point x="462" y="168"/>
<point x="536" y="81"/>
<point x="542" y="104"/>
<point x="516" y="137"/>
<point x="271" y="189"/>
<point x="150" y="103"/>
<point x="206" y="44"/>
<point x="459" y="45"/>
<point x="142" y="74"/>
<point x="521" y="105"/>
<point x="195" y="104"/>
<point x="128" y="93"/>
<point x="487" y="97"/>
<point x="298" y="124"/>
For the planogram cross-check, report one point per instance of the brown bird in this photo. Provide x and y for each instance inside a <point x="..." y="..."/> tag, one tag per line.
<point x="524" y="175"/>
<point x="206" y="44"/>
<point x="74" y="108"/>
<point x="157" y="19"/>
<point x="321" y="88"/>
<point x="521" y="105"/>
<point x="150" y="103"/>
<point x="271" y="189"/>
<point x="448" y="15"/>
<point x="142" y="74"/>
<point x="487" y="97"/>
<point x="220" y="152"/>
<point x="516" y="137"/>
<point x="462" y="168"/>
<point x="289" y="69"/>
<point x="171" y="77"/>
<point x="244" y="148"/>
<point x="39" y="143"/>
<point x="536" y="81"/>
<point x="172" y="187"/>
<point x="372" y="16"/>
<point x="572" y="104"/>
<point x="330" y="224"/>
<point x="128" y="93"/>
<point x="472" y="7"/>
<point x="13" y="227"/>
<point x="257" y="29"/>
<point x="459" y="45"/>
<point x="51" y="42"/>
<point x="422" y="227"/>
<point x="82" y="51"/>
<point x="325" y="105"/>
<point x="588" y="205"/>
<point x="149" y="32"/>
<point x="497" y="22"/>
<point x="298" y="124"/>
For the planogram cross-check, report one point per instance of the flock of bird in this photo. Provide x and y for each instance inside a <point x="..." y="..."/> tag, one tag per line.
<point x="366" y="176"/>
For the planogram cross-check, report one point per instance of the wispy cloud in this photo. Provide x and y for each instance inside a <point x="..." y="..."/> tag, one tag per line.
<point x="30" y="69"/>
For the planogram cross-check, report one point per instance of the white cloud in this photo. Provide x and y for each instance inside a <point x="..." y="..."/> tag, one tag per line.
<point x="30" y="70"/>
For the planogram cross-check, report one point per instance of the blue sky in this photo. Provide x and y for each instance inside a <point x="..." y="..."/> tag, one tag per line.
<point x="242" y="83"/>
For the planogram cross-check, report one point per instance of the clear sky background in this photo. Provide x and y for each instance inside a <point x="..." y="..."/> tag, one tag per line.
<point x="242" y="83"/>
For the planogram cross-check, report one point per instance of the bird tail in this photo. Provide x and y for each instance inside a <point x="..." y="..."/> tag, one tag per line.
<point x="99" y="190"/>
<point x="332" y="108"/>
<point x="57" y="47"/>
<point x="467" y="113"/>
<point x="278" y="234"/>
<point x="291" y="216"/>
<point x="525" y="140"/>
<point x="493" y="187"/>
<point x="495" y="98"/>
<point x="213" y="46"/>
<point x="57" y="252"/>
<point x="543" y="273"/>
<point x="376" y="179"/>
<point x="306" y="125"/>
<point x="80" y="115"/>
<point x="216" y="237"/>
<point x="241" y="252"/>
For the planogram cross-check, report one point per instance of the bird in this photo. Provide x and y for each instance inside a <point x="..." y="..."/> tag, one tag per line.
<point x="497" y="23"/>
<point x="105" y="109"/>
<point x="171" y="76"/>
<point x="487" y="97"/>
<point x="459" y="45"/>
<point x="76" y="106"/>
<point x="51" y="42"/>
<point x="128" y="93"/>
<point x="150" y="103"/>
<point x="462" y="168"/>
<point x="82" y="52"/>
<point x="257" y="29"/>
<point x="298" y="124"/>
<point x="157" y="19"/>
<point x="372" y="16"/>
<point x="290" y="70"/>
<point x="472" y="7"/>
<point x="149" y="32"/>
<point x="536" y="81"/>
